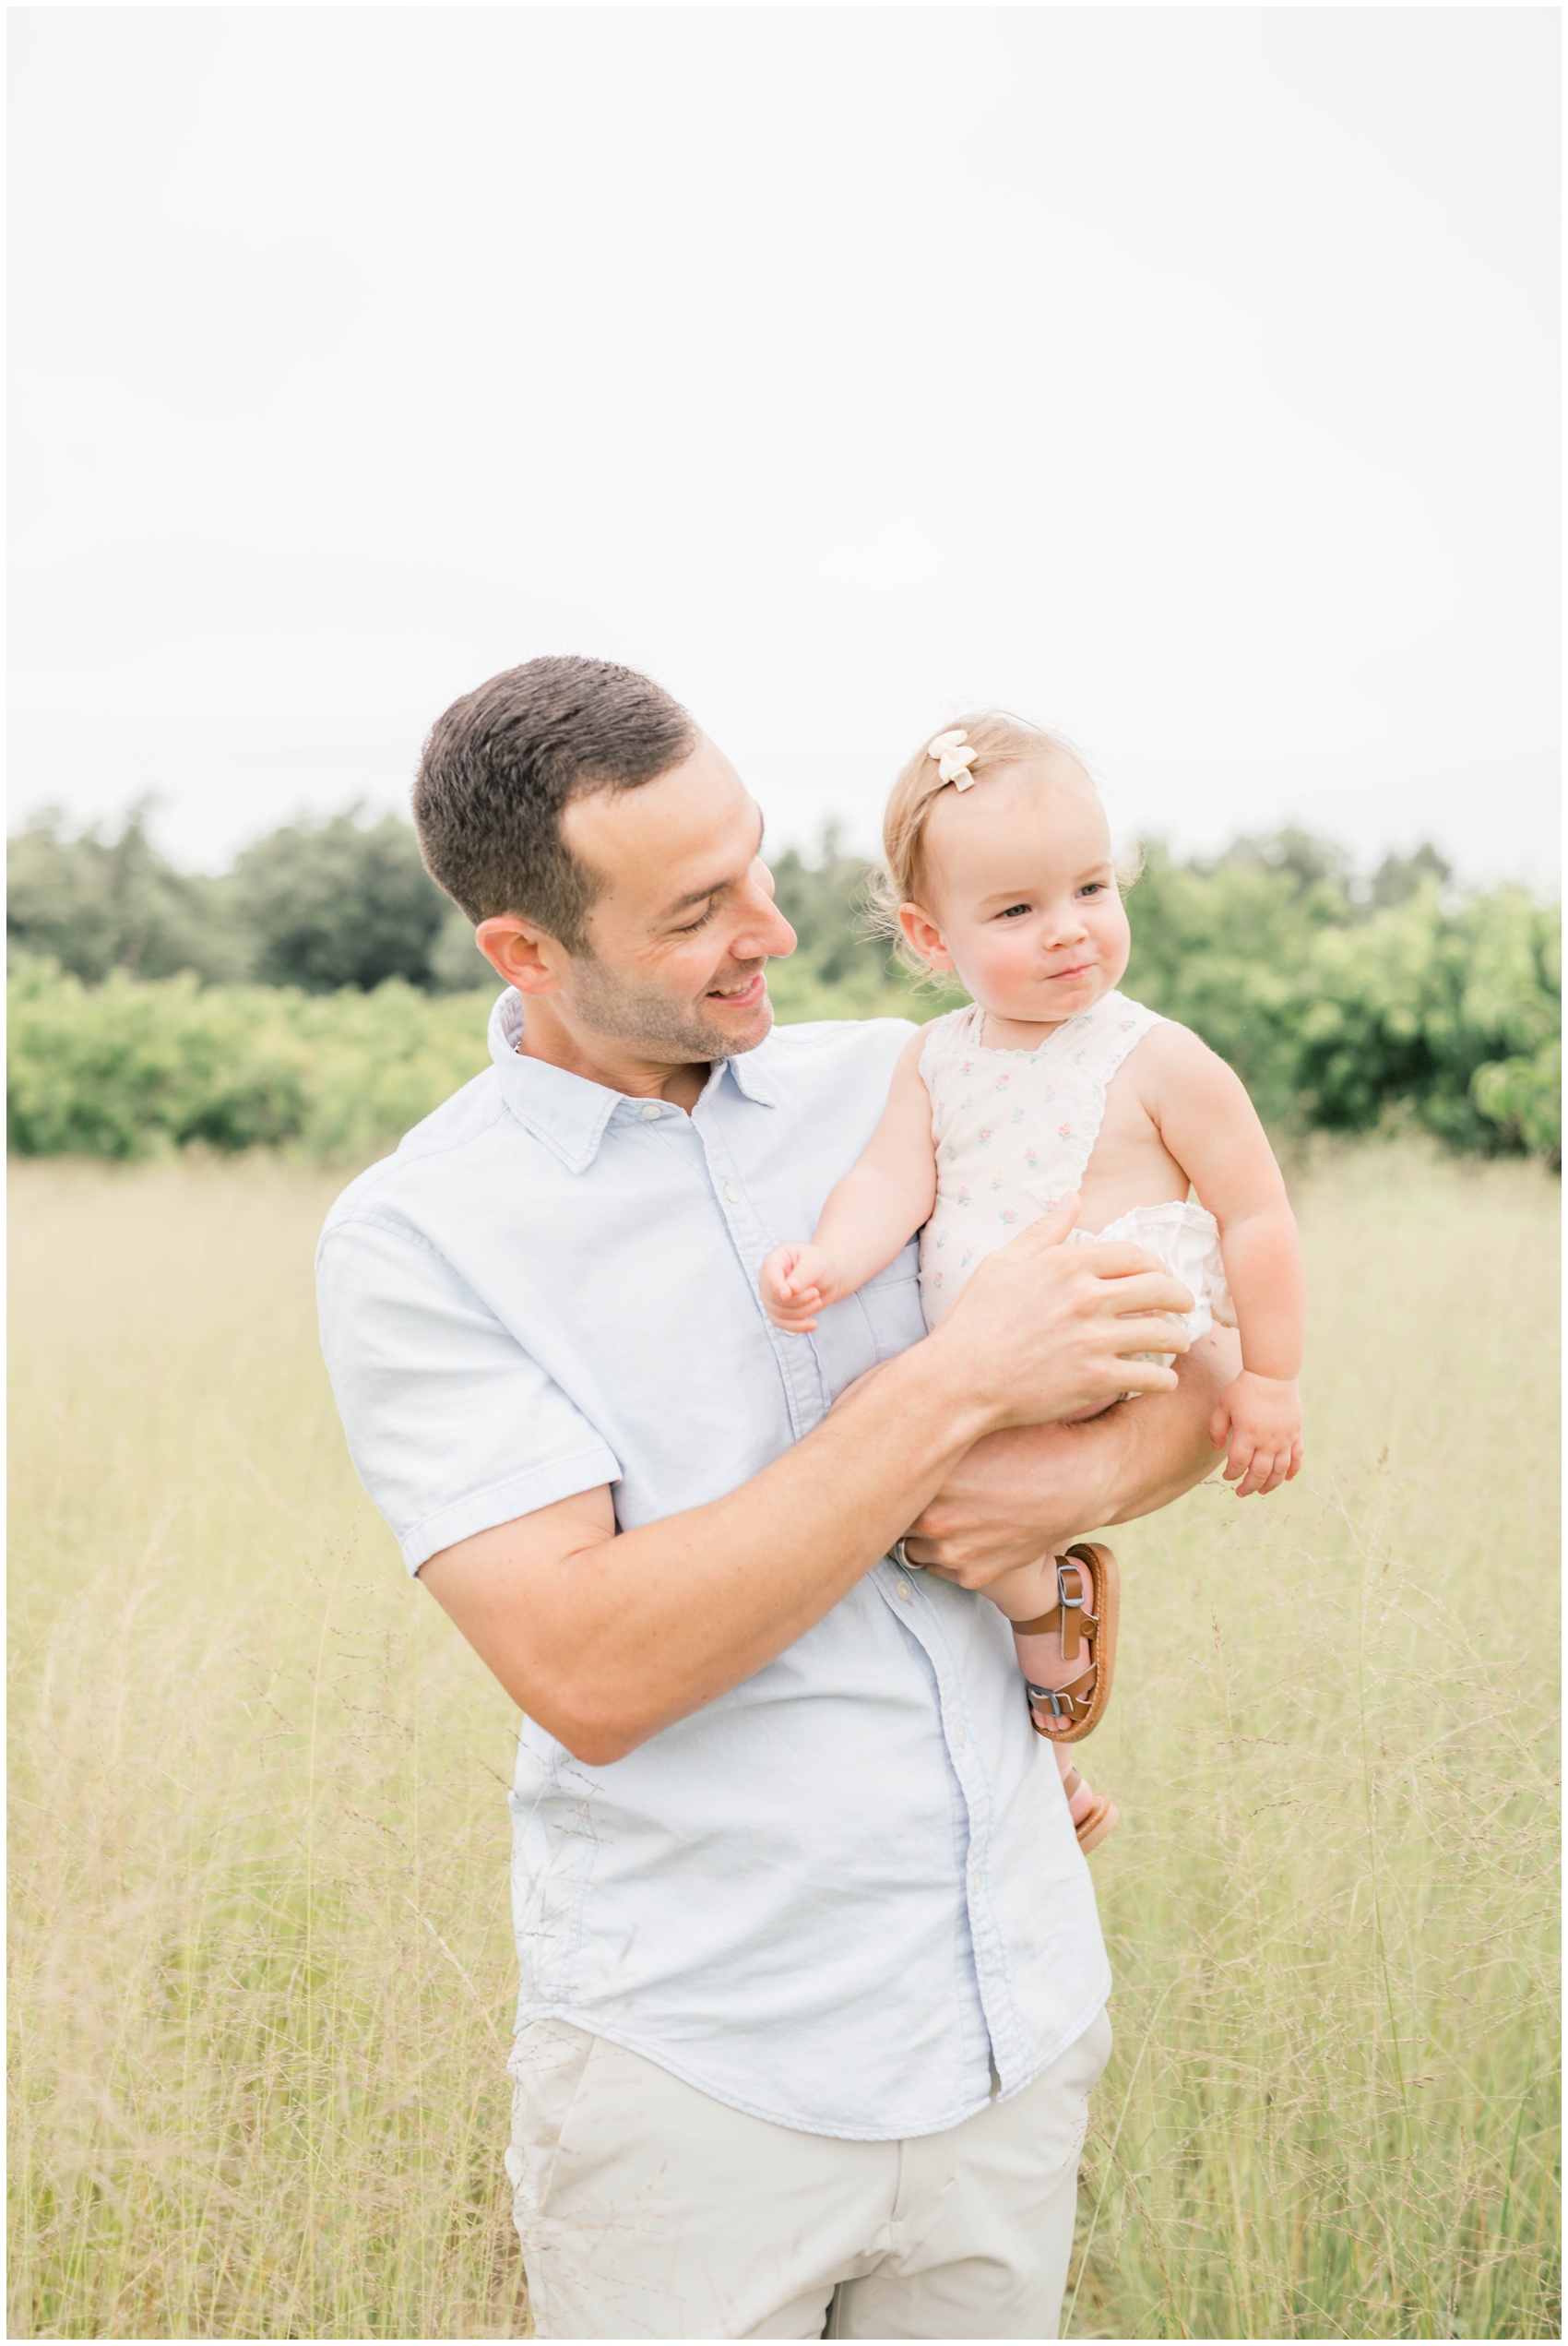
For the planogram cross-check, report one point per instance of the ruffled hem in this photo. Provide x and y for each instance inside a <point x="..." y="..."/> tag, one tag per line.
<point x="1186" y="1239"/>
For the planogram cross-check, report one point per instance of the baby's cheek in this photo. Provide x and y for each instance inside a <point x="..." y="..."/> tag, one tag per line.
<point x="1004" y="972"/>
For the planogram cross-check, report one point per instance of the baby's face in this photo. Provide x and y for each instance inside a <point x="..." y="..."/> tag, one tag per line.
<point x="1022" y="896"/>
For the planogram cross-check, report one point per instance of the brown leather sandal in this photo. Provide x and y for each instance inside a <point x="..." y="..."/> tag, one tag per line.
<point x="1085" y="1613"/>
<point x="1098" y="1820"/>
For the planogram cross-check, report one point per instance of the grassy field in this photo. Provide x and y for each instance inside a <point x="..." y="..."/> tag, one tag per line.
<point x="262" y="1974"/>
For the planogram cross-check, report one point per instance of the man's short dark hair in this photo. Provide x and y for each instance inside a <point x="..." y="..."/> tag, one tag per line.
<point x="503" y="762"/>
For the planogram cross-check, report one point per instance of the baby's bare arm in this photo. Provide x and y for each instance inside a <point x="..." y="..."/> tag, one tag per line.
<point x="888" y="1192"/>
<point x="1212" y="1129"/>
<point x="875" y="1209"/>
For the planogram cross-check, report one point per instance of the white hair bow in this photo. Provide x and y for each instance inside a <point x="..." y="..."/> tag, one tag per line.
<point x="954" y="756"/>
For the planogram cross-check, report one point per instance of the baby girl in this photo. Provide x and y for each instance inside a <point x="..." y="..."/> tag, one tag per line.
<point x="1052" y="1090"/>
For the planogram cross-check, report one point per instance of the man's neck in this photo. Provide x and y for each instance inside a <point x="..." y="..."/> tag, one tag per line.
<point x="600" y="1059"/>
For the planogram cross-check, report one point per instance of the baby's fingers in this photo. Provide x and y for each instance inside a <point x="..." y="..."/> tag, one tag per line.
<point x="1282" y="1468"/>
<point x="1278" y="1468"/>
<point x="774" y="1277"/>
<point x="1219" y="1427"/>
<point x="1243" y="1450"/>
<point x="1260" y="1468"/>
<point x="795" y="1310"/>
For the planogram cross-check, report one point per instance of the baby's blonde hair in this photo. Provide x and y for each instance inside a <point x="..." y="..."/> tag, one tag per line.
<point x="998" y="738"/>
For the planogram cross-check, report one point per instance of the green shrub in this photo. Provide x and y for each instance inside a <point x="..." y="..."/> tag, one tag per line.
<point x="1523" y="1099"/>
<point x="1337" y="1013"/>
<point x="126" y="1070"/>
<point x="1457" y="1013"/>
<point x="1225" y="950"/>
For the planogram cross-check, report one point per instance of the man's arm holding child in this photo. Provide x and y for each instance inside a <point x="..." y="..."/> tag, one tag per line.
<point x="1026" y="1492"/>
<point x="604" y="1639"/>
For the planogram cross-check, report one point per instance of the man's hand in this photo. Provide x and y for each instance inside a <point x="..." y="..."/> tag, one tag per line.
<point x="797" y="1282"/>
<point x="604" y="1638"/>
<point x="1260" y="1418"/>
<point x="1020" y="1496"/>
<point x="1089" y="1311"/>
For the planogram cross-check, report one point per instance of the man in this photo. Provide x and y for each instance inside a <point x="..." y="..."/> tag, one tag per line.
<point x="812" y="1986"/>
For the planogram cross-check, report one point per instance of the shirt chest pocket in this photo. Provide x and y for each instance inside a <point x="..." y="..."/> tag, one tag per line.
<point x="877" y="1323"/>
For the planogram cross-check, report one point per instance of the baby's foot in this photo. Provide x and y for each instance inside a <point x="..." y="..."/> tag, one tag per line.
<point x="1046" y="1671"/>
<point x="1095" y="1815"/>
<point x="1059" y="1648"/>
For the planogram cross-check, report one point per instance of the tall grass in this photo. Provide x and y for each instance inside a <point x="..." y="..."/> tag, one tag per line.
<point x="262" y="1970"/>
<point x="1332" y="1909"/>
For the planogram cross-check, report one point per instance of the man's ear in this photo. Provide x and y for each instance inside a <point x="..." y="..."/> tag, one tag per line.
<point x="922" y="935"/>
<point x="526" y="956"/>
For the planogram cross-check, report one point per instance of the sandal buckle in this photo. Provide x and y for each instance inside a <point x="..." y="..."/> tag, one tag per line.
<point x="1073" y="1631"/>
<point x="1062" y="1704"/>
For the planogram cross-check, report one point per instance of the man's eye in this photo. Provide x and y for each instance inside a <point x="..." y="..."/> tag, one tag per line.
<point x="701" y="922"/>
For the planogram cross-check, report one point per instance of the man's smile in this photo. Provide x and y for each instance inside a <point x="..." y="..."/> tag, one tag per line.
<point x="743" y="993"/>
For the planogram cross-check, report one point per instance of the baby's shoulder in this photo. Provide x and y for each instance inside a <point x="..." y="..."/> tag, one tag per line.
<point x="1169" y="1052"/>
<point x="940" y="1042"/>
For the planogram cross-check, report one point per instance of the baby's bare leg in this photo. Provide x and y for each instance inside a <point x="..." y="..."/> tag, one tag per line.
<point x="1115" y="1466"/>
<point x="1024" y="1595"/>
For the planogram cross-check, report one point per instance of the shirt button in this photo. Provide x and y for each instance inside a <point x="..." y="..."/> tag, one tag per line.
<point x="959" y="1736"/>
<point x="904" y="1592"/>
<point x="732" y="1193"/>
<point x="651" y="1109"/>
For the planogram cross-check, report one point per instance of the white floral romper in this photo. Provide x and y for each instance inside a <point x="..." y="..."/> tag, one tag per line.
<point x="1014" y="1132"/>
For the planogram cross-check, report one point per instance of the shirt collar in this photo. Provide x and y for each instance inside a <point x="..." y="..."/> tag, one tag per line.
<point x="749" y="1077"/>
<point x="569" y="1113"/>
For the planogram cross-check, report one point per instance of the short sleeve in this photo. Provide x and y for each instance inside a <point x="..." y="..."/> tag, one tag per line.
<point x="452" y="1426"/>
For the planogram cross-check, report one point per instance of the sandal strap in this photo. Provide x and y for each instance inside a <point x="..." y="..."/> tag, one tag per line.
<point x="1070" y="1613"/>
<point x="1071" y="1701"/>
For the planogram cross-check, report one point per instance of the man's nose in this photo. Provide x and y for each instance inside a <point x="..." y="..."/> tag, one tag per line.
<point x="763" y="931"/>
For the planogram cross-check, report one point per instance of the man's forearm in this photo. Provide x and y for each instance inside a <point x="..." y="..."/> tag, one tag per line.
<point x="605" y="1639"/>
<point x="1020" y="1493"/>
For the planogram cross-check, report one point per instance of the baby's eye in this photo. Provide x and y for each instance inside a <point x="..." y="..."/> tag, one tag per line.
<point x="1094" y="888"/>
<point x="1012" y="912"/>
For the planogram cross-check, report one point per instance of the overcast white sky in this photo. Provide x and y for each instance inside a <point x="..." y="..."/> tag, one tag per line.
<point x="1184" y="378"/>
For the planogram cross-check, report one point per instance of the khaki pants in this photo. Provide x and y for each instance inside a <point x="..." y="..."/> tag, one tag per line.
<point x="647" y="2209"/>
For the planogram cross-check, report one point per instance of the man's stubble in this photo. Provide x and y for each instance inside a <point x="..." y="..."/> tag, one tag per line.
<point x="626" y="1012"/>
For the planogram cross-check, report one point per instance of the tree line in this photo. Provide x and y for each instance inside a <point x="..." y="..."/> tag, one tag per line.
<point x="152" y="1007"/>
<point x="345" y="903"/>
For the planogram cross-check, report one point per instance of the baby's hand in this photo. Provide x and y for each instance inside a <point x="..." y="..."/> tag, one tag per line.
<point x="1260" y="1417"/>
<point x="796" y="1283"/>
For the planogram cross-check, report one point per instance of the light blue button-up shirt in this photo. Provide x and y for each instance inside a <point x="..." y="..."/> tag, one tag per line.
<point x="841" y="1893"/>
